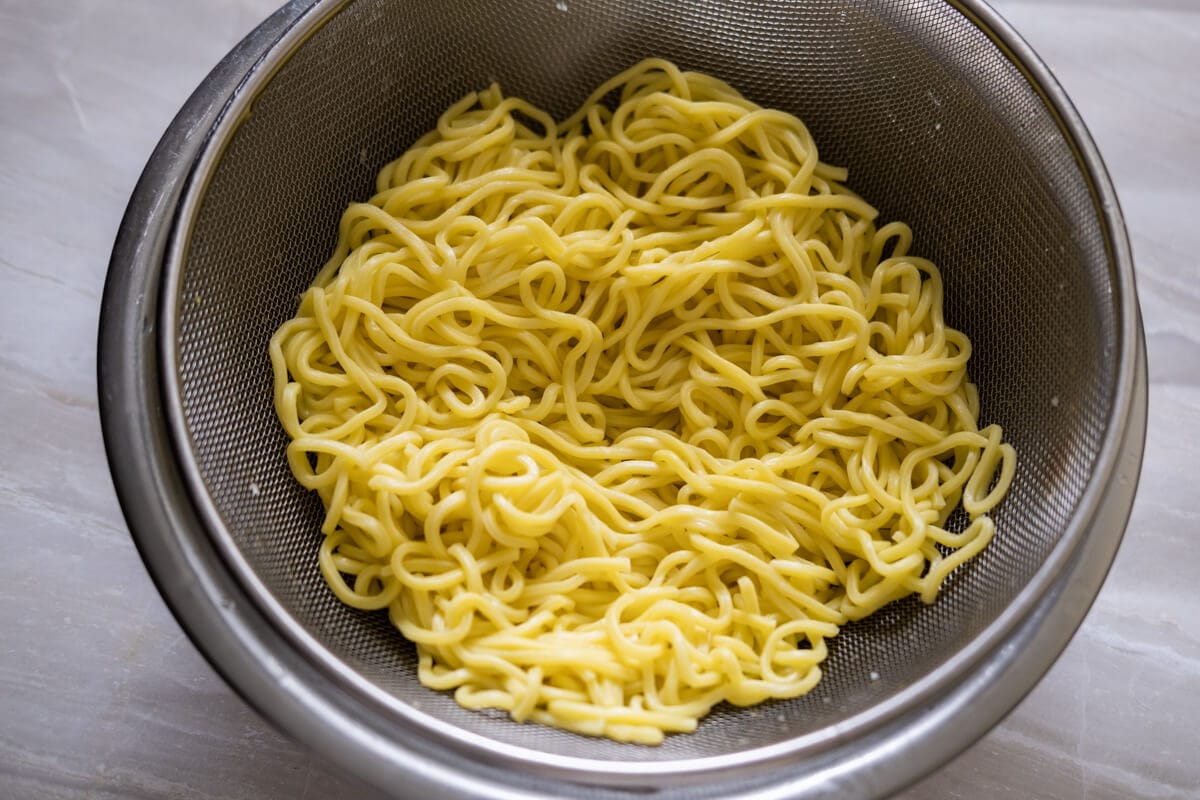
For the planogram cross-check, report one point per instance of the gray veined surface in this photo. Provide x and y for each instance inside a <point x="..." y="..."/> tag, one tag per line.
<point x="101" y="695"/>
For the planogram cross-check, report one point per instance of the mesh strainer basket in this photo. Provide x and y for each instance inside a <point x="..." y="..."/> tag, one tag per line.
<point x="946" y="120"/>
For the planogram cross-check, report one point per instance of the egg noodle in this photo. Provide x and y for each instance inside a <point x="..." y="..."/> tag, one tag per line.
<point x="623" y="417"/>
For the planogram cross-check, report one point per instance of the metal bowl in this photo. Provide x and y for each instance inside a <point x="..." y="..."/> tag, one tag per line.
<point x="946" y="119"/>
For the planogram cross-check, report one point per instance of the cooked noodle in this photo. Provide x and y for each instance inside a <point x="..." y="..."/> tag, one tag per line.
<point x="623" y="417"/>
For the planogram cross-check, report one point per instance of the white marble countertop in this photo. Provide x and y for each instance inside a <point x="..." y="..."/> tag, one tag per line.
<point x="103" y="696"/>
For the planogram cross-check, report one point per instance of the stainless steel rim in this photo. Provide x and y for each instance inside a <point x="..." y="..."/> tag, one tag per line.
<point x="285" y="673"/>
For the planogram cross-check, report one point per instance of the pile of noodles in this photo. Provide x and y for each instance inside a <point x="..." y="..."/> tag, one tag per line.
<point x="622" y="417"/>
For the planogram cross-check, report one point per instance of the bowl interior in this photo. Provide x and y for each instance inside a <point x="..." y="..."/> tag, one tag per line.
<point x="938" y="129"/>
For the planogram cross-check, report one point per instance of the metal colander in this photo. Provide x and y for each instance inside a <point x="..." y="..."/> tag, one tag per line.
<point x="945" y="119"/>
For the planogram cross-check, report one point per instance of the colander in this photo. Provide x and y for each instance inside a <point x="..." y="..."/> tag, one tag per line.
<point x="946" y="119"/>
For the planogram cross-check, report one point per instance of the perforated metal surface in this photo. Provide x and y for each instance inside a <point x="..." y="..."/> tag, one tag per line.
<point x="937" y="127"/>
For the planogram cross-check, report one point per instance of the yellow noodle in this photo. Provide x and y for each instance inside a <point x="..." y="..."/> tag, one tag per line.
<point x="623" y="417"/>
